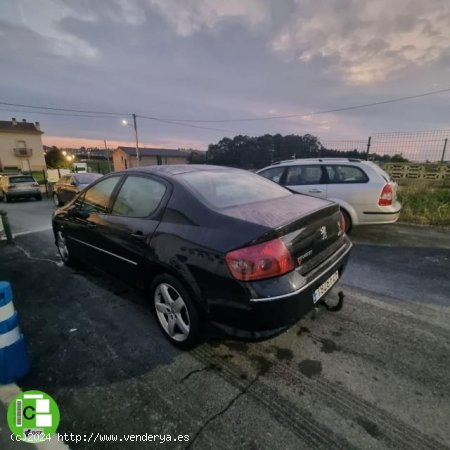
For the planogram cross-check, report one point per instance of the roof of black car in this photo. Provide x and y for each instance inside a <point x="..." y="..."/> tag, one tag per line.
<point x="175" y="169"/>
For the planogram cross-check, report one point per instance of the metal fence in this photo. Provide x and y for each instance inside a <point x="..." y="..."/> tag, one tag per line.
<point x="417" y="146"/>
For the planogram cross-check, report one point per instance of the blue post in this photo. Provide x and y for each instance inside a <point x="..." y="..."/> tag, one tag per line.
<point x="14" y="362"/>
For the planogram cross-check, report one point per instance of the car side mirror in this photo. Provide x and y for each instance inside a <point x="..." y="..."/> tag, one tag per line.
<point x="75" y="212"/>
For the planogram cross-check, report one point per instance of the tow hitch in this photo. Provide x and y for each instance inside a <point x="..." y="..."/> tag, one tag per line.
<point x="333" y="308"/>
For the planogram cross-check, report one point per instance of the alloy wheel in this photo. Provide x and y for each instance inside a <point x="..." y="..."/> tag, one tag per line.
<point x="62" y="246"/>
<point x="172" y="312"/>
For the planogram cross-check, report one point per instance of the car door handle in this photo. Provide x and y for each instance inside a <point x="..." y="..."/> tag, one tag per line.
<point x="92" y="225"/>
<point x="315" y="191"/>
<point x="138" y="234"/>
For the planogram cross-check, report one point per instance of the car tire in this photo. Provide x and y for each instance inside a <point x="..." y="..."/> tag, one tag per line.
<point x="63" y="249"/>
<point x="38" y="197"/>
<point x="348" y="221"/>
<point x="7" y="199"/>
<point x="56" y="200"/>
<point x="175" y="312"/>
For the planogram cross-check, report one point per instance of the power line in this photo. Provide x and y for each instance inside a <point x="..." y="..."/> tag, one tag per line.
<point x="178" y="121"/>
<point x="57" y="113"/>
<point x="65" y="109"/>
<point x="345" y="108"/>
<point x="186" y="124"/>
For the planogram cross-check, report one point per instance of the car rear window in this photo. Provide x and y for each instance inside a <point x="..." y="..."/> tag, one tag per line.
<point x="21" y="180"/>
<point x="87" y="178"/>
<point x="338" y="174"/>
<point x="223" y="189"/>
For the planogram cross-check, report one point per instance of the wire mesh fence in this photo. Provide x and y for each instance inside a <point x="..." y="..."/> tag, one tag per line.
<point x="416" y="146"/>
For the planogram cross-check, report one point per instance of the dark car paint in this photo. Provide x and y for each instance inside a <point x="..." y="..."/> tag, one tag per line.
<point x="189" y="240"/>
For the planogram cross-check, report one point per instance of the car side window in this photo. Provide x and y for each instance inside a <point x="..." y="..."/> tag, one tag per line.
<point x="138" y="197"/>
<point x="303" y="175"/>
<point x="96" y="198"/>
<point x="273" y="174"/>
<point x="338" y="174"/>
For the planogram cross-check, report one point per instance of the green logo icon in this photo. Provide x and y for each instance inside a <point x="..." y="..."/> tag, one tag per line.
<point x="33" y="416"/>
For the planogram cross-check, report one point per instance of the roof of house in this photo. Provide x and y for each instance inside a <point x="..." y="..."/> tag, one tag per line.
<point x="144" y="151"/>
<point x="19" y="127"/>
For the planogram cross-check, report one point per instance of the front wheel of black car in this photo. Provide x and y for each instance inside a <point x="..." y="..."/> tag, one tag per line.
<point x="56" y="200"/>
<point x="63" y="250"/>
<point x="175" y="312"/>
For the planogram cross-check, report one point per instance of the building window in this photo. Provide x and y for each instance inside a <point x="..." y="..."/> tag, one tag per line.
<point x="21" y="144"/>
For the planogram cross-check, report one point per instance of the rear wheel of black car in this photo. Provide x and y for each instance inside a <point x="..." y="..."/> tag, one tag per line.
<point x="63" y="250"/>
<point x="38" y="197"/>
<point x="175" y="312"/>
<point x="56" y="199"/>
<point x="7" y="199"/>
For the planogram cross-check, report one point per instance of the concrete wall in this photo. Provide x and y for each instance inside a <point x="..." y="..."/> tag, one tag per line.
<point x="418" y="171"/>
<point x="9" y="141"/>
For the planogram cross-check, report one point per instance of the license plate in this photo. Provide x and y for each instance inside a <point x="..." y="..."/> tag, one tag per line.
<point x="325" y="287"/>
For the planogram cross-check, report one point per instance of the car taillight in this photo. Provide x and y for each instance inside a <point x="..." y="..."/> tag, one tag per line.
<point x="386" y="196"/>
<point x="11" y="186"/>
<point x="257" y="262"/>
<point x="342" y="223"/>
<point x="35" y="184"/>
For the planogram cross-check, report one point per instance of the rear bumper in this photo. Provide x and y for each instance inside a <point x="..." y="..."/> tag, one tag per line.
<point x="23" y="194"/>
<point x="274" y="305"/>
<point x="382" y="214"/>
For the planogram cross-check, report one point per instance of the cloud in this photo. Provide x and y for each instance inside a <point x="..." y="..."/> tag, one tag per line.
<point x="190" y="16"/>
<point x="366" y="42"/>
<point x="36" y="26"/>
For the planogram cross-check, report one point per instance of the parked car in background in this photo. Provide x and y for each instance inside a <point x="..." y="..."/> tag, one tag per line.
<point x="365" y="193"/>
<point x="65" y="189"/>
<point x="209" y="244"/>
<point x="19" y="186"/>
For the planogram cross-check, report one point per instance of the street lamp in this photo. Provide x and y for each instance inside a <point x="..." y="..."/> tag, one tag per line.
<point x="125" y="122"/>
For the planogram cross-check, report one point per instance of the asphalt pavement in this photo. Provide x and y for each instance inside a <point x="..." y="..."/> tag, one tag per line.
<point x="374" y="375"/>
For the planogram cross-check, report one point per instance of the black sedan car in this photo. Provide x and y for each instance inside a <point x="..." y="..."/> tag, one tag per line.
<point x="209" y="244"/>
<point x="68" y="186"/>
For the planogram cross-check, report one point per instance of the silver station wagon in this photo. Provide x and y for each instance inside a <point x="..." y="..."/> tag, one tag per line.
<point x="365" y="193"/>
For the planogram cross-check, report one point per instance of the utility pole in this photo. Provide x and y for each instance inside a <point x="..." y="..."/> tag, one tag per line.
<point x="368" y="147"/>
<point x="443" y="151"/>
<point x="138" y="156"/>
<point x="107" y="155"/>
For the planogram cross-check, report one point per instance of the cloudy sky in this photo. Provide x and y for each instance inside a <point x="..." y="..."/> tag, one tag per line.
<point x="224" y="59"/>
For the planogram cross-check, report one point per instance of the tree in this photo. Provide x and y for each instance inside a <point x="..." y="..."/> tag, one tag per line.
<point x="55" y="159"/>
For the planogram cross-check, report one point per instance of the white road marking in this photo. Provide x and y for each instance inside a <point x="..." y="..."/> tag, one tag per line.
<point x="28" y="255"/>
<point x="36" y="230"/>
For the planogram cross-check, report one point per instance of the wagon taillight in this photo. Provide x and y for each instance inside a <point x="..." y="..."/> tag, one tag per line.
<point x="387" y="196"/>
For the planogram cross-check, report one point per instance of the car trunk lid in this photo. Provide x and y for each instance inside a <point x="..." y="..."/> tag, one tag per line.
<point x="309" y="226"/>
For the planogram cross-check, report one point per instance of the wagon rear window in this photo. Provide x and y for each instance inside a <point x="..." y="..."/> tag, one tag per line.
<point x="21" y="180"/>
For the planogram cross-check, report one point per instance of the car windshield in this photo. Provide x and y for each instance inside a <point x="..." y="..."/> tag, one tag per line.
<point x="87" y="178"/>
<point x="223" y="189"/>
<point x="21" y="180"/>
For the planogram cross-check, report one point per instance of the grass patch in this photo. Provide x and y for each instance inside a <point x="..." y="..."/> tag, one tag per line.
<point x="38" y="176"/>
<point x="425" y="204"/>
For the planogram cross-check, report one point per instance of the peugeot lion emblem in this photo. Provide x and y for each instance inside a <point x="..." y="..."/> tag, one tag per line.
<point x="323" y="232"/>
